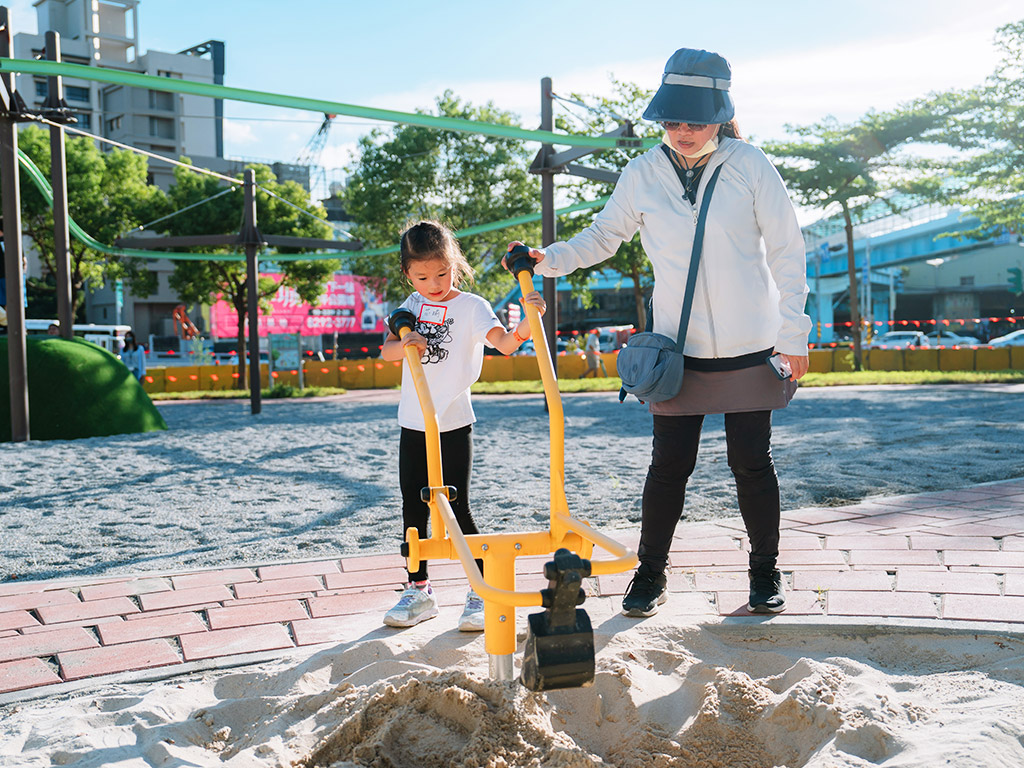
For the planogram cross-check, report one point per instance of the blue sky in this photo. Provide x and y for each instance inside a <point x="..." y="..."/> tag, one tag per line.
<point x="793" y="61"/>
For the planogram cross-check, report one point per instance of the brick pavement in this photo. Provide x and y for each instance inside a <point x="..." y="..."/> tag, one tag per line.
<point x="952" y="555"/>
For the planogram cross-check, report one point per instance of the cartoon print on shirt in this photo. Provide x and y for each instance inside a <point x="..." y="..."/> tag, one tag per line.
<point x="436" y="334"/>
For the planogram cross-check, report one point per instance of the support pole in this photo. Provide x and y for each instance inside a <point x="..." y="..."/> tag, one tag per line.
<point x="250" y="237"/>
<point x="9" y="186"/>
<point x="58" y="179"/>
<point x="548" y="220"/>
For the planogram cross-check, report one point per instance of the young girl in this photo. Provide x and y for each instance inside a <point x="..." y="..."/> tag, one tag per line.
<point x="450" y="332"/>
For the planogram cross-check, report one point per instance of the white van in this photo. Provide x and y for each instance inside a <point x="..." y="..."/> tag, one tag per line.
<point x="110" y="337"/>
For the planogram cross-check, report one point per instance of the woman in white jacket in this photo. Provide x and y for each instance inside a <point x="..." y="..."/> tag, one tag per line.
<point x="748" y="304"/>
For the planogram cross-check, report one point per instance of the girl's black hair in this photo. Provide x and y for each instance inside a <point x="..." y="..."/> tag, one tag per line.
<point x="429" y="239"/>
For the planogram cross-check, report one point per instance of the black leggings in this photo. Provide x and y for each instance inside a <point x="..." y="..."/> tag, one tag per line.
<point x="456" y="463"/>
<point x="748" y="441"/>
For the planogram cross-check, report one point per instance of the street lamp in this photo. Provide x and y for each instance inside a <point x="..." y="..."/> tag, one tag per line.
<point x="936" y="263"/>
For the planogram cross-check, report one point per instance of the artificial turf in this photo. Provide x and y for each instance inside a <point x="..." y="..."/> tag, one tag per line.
<point x="76" y="389"/>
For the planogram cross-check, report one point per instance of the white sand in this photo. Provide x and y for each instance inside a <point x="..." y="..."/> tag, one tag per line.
<point x="666" y="694"/>
<point x="314" y="479"/>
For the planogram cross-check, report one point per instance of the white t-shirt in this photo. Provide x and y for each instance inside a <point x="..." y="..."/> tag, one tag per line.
<point x="455" y="331"/>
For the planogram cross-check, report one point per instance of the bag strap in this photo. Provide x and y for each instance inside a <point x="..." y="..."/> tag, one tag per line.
<point x="698" y="245"/>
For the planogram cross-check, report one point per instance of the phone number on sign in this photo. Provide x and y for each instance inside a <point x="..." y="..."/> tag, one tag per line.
<point x="331" y="323"/>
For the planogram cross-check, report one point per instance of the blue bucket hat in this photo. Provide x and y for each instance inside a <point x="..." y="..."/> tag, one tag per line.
<point x="694" y="89"/>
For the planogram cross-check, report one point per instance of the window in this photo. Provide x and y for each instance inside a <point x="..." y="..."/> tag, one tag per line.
<point x="161" y="100"/>
<point x="167" y="73"/>
<point x="114" y="123"/>
<point x="41" y="89"/>
<point x="84" y="120"/>
<point x="161" y="127"/>
<point x="76" y="93"/>
<point x="967" y="280"/>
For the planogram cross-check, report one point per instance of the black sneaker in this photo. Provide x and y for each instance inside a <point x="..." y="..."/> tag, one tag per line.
<point x="766" y="592"/>
<point x="645" y="593"/>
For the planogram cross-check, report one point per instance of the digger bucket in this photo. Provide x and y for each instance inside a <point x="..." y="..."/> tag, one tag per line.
<point x="559" y="650"/>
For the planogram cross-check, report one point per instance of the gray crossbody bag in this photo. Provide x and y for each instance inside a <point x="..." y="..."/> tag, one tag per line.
<point x="651" y="364"/>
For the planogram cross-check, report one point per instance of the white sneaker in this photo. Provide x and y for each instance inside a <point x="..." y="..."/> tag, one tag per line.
<point x="472" y="619"/>
<point x="416" y="604"/>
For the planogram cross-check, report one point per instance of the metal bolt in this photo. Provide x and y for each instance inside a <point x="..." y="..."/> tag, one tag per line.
<point x="484" y="547"/>
<point x="501" y="618"/>
<point x="518" y="545"/>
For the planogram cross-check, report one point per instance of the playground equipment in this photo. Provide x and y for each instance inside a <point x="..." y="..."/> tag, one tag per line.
<point x="559" y="650"/>
<point x="183" y="327"/>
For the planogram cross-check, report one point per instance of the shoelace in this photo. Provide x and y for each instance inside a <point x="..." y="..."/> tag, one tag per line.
<point x="764" y="582"/>
<point x="474" y="603"/>
<point x="407" y="597"/>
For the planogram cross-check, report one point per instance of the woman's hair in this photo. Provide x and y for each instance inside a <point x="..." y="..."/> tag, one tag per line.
<point x="730" y="130"/>
<point x="134" y="342"/>
<point x="426" y="240"/>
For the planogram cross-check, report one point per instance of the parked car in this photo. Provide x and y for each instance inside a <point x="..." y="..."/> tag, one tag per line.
<point x="1012" y="339"/>
<point x="900" y="340"/>
<point x="950" y="339"/>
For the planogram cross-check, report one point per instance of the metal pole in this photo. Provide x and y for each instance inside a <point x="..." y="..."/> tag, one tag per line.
<point x="17" y="363"/>
<point x="251" y="239"/>
<point x="58" y="179"/>
<point x="548" y="232"/>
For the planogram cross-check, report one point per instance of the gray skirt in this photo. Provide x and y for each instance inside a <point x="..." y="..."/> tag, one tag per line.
<point x="748" y="389"/>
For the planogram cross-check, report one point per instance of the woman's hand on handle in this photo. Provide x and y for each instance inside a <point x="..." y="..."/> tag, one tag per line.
<point x="536" y="255"/>
<point x="797" y="364"/>
<point x="536" y="300"/>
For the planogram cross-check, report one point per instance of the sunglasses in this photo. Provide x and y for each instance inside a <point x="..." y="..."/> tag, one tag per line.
<point x="669" y="126"/>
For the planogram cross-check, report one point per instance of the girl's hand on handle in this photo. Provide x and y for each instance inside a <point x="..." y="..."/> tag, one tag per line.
<point x="415" y="339"/>
<point x="797" y="364"/>
<point x="536" y="300"/>
<point x="536" y="255"/>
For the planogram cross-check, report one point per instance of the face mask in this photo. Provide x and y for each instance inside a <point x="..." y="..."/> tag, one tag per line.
<point x="709" y="146"/>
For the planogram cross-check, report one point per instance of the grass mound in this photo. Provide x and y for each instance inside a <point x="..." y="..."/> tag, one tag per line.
<point x="76" y="389"/>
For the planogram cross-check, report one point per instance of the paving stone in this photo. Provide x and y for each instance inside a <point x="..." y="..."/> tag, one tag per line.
<point x="841" y="528"/>
<point x="901" y="520"/>
<point x="1013" y="543"/>
<point x="976" y="529"/>
<point x="816" y="515"/>
<point x="909" y="604"/>
<point x="150" y="627"/>
<point x="211" y="578"/>
<point x="349" y="604"/>
<point x="77" y="623"/>
<point x="797" y="604"/>
<point x="868" y="541"/>
<point x="893" y="558"/>
<point x="124" y="588"/>
<point x="867" y="581"/>
<point x="707" y="558"/>
<point x="989" y="559"/>
<point x="390" y="577"/>
<point x="945" y="581"/>
<point x="269" y="599"/>
<point x="371" y="562"/>
<point x="112" y="606"/>
<point x="176" y="611"/>
<point x="75" y="665"/>
<point x="46" y="643"/>
<point x="32" y="600"/>
<point x="1014" y="583"/>
<point x="26" y="673"/>
<point x="256" y="613"/>
<point x="688" y="544"/>
<point x="182" y="598"/>
<point x="719" y="581"/>
<point x="279" y="587"/>
<point x="17" y="620"/>
<point x="789" y="559"/>
<point x="229" y="642"/>
<point x="329" y="629"/>
<point x="940" y="542"/>
<point x="983" y="608"/>
<point x="688" y="603"/>
<point x="293" y="570"/>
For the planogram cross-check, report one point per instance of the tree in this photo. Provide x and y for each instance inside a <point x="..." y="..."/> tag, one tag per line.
<point x="203" y="281"/>
<point x="986" y="175"/>
<point x="627" y="102"/>
<point x="850" y="165"/>
<point x="107" y="195"/>
<point x="461" y="179"/>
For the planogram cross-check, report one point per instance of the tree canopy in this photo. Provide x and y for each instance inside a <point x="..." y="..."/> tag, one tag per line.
<point x="461" y="179"/>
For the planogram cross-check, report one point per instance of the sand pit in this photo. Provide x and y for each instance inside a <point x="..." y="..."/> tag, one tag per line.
<point x="666" y="694"/>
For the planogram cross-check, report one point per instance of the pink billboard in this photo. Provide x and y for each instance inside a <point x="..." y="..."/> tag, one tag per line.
<point x="345" y="306"/>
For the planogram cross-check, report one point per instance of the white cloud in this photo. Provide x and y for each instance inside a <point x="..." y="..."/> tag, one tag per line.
<point x="240" y="133"/>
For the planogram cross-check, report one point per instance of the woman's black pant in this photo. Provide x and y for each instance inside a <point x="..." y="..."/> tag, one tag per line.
<point x="456" y="464"/>
<point x="748" y="442"/>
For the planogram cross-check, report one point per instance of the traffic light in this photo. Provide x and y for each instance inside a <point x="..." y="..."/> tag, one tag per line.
<point x="1016" y="281"/>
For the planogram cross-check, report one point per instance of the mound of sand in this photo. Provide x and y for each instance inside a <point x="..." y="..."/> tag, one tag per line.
<point x="77" y="389"/>
<point x="666" y="695"/>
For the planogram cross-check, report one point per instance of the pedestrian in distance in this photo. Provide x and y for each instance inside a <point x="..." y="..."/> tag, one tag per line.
<point x="747" y="304"/>
<point x="592" y="351"/>
<point x="452" y="327"/>
<point x="134" y="356"/>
